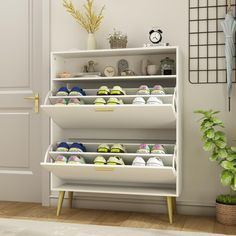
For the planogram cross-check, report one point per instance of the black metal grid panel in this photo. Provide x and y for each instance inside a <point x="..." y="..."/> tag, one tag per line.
<point x="206" y="41"/>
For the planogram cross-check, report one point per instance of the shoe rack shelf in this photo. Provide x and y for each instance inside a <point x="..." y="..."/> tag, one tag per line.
<point x="107" y="121"/>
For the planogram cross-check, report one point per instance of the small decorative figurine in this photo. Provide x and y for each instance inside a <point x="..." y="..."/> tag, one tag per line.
<point x="123" y="65"/>
<point x="91" y="66"/>
<point x="167" y="66"/>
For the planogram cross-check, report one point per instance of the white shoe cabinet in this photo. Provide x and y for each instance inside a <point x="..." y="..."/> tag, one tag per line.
<point x="128" y="124"/>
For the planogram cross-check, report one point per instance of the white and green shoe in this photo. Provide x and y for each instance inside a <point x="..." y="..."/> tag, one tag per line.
<point x="99" y="160"/>
<point x="114" y="160"/>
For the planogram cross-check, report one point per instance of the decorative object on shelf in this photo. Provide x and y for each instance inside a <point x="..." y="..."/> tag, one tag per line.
<point x="127" y="73"/>
<point x="144" y="65"/>
<point x="167" y="66"/>
<point x="155" y="35"/>
<point x="152" y="69"/>
<point x="64" y="75"/>
<point x="118" y="39"/>
<point x="109" y="71"/>
<point x="215" y="141"/>
<point x="229" y="27"/>
<point x="89" y="70"/>
<point x="103" y="90"/>
<point x="90" y="21"/>
<point x="91" y="66"/>
<point x="117" y="90"/>
<point x="123" y="65"/>
<point x="147" y="45"/>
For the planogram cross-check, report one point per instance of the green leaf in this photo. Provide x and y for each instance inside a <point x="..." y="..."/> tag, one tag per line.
<point x="231" y="157"/>
<point x="220" y="144"/>
<point x="233" y="149"/>
<point x="208" y="146"/>
<point x="222" y="153"/>
<point x="219" y="135"/>
<point x="210" y="133"/>
<point x="227" y="177"/>
<point x="214" y="157"/>
<point x="228" y="165"/>
<point x="217" y="121"/>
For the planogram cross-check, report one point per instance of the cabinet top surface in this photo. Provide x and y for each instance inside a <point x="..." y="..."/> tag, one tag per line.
<point x="117" y="52"/>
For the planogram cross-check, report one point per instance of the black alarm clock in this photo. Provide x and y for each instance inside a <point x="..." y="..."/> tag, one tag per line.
<point x="155" y="36"/>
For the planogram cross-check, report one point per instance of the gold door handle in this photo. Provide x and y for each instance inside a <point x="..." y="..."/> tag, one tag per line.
<point x="36" y="102"/>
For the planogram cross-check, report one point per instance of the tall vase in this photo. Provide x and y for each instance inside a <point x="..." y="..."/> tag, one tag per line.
<point x="91" y="44"/>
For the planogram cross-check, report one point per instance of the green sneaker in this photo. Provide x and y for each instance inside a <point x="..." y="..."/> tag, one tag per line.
<point x="114" y="160"/>
<point x="118" y="148"/>
<point x="99" y="160"/>
<point x="103" y="148"/>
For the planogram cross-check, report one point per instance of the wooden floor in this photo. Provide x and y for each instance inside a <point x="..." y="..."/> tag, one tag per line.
<point x="34" y="211"/>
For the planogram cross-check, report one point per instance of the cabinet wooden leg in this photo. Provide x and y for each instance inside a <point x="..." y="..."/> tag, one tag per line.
<point x="174" y="205"/>
<point x="70" y="195"/>
<point x="170" y="209"/>
<point x="60" y="201"/>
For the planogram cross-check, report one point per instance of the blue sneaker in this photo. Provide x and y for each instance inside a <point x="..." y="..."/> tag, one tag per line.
<point x="63" y="147"/>
<point x="63" y="91"/>
<point x="77" y="91"/>
<point x="77" y="147"/>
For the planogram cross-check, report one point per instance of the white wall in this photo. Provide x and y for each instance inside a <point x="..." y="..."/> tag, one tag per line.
<point x="201" y="177"/>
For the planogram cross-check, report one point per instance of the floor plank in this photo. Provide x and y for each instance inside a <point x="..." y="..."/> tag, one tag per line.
<point x="33" y="211"/>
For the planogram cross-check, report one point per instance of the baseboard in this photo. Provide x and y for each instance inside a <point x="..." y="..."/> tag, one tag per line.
<point x="137" y="204"/>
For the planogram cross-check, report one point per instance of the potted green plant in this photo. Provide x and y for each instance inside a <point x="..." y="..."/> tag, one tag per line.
<point x="215" y="142"/>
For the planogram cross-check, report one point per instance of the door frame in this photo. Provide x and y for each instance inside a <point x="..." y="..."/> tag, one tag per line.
<point x="45" y="121"/>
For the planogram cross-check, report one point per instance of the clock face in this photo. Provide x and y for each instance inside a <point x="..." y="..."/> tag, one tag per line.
<point x="155" y="37"/>
<point x="109" y="71"/>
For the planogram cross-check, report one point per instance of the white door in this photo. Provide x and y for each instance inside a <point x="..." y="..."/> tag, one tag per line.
<point x="20" y="77"/>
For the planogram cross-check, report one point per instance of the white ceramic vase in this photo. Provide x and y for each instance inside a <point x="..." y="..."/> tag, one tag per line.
<point x="91" y="44"/>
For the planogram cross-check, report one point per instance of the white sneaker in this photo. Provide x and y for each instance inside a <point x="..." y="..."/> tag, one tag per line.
<point x="154" y="100"/>
<point x="154" y="161"/>
<point x="139" y="101"/>
<point x="138" y="161"/>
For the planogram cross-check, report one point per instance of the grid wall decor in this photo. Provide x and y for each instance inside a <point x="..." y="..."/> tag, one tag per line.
<point x="207" y="42"/>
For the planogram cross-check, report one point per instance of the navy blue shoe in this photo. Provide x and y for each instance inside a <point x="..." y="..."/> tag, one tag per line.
<point x="77" y="147"/>
<point x="77" y="91"/>
<point x="63" y="91"/>
<point x="63" y="147"/>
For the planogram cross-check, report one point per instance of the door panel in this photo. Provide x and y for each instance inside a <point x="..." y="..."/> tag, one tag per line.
<point x="14" y="138"/>
<point x="20" y="77"/>
<point x="15" y="28"/>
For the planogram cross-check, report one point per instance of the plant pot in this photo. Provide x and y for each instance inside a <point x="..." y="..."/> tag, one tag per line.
<point x="226" y="214"/>
<point x="91" y="44"/>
